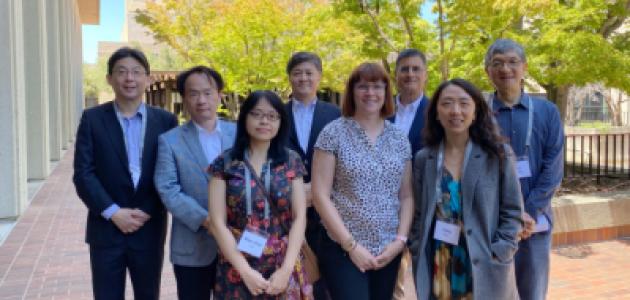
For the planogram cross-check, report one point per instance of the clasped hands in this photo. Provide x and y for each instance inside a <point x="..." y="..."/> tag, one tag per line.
<point x="364" y="260"/>
<point x="257" y="284"/>
<point x="529" y="224"/>
<point x="129" y="220"/>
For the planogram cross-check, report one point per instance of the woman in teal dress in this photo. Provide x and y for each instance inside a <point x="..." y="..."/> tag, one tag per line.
<point x="468" y="202"/>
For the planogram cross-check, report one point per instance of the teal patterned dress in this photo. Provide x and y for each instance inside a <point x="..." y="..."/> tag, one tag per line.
<point x="452" y="271"/>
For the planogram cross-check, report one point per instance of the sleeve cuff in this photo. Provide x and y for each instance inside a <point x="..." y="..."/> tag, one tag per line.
<point x="110" y="211"/>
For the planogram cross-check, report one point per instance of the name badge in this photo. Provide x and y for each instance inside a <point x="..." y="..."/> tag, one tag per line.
<point x="252" y="242"/>
<point x="522" y="167"/>
<point x="542" y="224"/>
<point x="447" y="232"/>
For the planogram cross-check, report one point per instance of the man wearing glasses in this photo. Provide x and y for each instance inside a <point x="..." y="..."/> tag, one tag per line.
<point x="114" y="162"/>
<point x="533" y="128"/>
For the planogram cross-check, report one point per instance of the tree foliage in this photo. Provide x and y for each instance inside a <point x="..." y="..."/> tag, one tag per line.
<point x="249" y="42"/>
<point x="568" y="42"/>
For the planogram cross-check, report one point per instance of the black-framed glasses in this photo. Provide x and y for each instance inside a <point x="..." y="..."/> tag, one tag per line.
<point x="259" y="115"/>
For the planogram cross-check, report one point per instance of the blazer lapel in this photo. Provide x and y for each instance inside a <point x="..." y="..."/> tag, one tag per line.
<point x="227" y="137"/>
<point x="110" y="121"/>
<point x="418" y="122"/>
<point x="317" y="125"/>
<point x="191" y="138"/>
<point x="430" y="174"/>
<point x="293" y="134"/>
<point x="471" y="176"/>
<point x="150" y="134"/>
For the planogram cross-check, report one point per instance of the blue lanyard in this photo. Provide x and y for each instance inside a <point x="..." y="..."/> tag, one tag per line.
<point x="530" y="121"/>
<point x="440" y="166"/>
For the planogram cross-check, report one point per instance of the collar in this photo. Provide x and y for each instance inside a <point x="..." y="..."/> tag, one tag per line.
<point x="522" y="101"/>
<point x="300" y="105"/>
<point x="414" y="105"/>
<point x="217" y="128"/>
<point x="142" y="111"/>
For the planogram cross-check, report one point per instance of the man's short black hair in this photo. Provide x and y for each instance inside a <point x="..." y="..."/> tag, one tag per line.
<point x="301" y="57"/>
<point x="411" y="52"/>
<point x="125" y="52"/>
<point x="209" y="72"/>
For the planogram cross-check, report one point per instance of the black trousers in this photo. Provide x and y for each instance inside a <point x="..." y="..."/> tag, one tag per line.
<point x="195" y="283"/>
<point x="109" y="272"/>
<point x="314" y="234"/>
<point x="346" y="282"/>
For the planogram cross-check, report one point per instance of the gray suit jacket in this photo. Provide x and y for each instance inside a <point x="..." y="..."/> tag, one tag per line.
<point x="491" y="216"/>
<point x="182" y="182"/>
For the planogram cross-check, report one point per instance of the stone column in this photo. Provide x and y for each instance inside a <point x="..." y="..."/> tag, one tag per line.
<point x="36" y="70"/>
<point x="13" y="195"/>
<point x="54" y="84"/>
<point x="79" y="98"/>
<point x="64" y="78"/>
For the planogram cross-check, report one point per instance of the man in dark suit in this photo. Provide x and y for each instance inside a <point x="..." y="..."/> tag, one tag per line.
<point x="114" y="163"/>
<point x="308" y="116"/>
<point x="411" y="103"/>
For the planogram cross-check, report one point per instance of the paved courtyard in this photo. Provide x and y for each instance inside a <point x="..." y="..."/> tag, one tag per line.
<point x="44" y="256"/>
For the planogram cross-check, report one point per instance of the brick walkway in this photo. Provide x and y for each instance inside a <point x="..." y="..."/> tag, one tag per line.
<point x="45" y="257"/>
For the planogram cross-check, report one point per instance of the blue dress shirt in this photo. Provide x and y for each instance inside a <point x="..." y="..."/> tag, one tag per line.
<point x="545" y="153"/>
<point x="133" y="129"/>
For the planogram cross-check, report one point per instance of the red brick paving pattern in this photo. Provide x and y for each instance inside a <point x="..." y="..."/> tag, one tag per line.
<point x="45" y="257"/>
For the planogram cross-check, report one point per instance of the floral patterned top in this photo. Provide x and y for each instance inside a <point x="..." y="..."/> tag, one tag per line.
<point x="228" y="281"/>
<point x="367" y="179"/>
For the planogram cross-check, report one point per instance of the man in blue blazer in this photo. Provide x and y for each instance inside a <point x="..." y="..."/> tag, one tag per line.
<point x="307" y="117"/>
<point x="181" y="178"/>
<point x="114" y="162"/>
<point x="411" y="103"/>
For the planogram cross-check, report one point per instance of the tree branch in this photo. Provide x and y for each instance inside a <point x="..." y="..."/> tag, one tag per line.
<point x="378" y="28"/>
<point x="408" y="29"/>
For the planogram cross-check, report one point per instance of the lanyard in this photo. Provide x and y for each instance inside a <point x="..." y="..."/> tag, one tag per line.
<point x="248" y="188"/>
<point x="530" y="121"/>
<point x="440" y="165"/>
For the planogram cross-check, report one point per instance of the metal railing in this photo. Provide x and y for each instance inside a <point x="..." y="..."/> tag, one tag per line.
<point x="597" y="154"/>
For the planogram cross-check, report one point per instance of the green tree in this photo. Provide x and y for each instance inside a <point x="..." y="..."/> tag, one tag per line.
<point x="249" y="42"/>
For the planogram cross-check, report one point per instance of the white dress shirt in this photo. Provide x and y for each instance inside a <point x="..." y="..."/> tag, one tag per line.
<point x="303" y="121"/>
<point x="210" y="141"/>
<point x="406" y="113"/>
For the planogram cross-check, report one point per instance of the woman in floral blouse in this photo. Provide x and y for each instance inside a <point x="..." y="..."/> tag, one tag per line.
<point x="259" y="237"/>
<point x="361" y="182"/>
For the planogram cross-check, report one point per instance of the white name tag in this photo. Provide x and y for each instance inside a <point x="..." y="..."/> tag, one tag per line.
<point x="542" y="224"/>
<point x="447" y="232"/>
<point x="252" y="243"/>
<point x="522" y="168"/>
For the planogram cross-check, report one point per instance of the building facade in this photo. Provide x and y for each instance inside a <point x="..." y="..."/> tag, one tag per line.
<point x="40" y="90"/>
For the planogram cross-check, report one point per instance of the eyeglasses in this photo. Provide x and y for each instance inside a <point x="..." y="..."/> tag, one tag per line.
<point x="512" y="64"/>
<point x="135" y="73"/>
<point x="375" y="87"/>
<point x="259" y="115"/>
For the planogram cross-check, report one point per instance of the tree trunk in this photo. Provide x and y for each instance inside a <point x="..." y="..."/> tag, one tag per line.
<point x="443" y="57"/>
<point x="559" y="95"/>
<point x="614" y="107"/>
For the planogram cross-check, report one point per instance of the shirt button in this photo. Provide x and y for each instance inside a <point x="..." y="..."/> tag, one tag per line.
<point x="469" y="231"/>
<point x="475" y="261"/>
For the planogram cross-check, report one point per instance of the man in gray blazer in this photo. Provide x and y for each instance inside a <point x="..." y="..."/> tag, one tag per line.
<point x="181" y="179"/>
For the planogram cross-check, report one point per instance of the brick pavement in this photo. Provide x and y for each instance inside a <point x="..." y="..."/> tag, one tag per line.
<point x="44" y="257"/>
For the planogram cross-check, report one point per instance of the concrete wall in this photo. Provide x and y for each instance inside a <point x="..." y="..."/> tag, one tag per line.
<point x="40" y="92"/>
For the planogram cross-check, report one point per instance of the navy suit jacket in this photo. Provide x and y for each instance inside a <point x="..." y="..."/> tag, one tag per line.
<point x="102" y="177"/>
<point x="324" y="114"/>
<point x="415" y="132"/>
